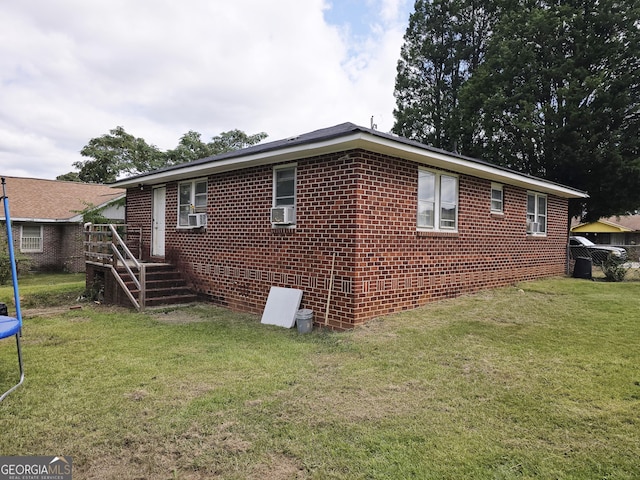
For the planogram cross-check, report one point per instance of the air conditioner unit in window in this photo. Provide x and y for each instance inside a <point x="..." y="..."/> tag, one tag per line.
<point x="283" y="215"/>
<point x="197" y="220"/>
<point x="533" y="227"/>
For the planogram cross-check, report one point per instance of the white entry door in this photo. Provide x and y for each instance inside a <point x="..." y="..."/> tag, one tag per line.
<point x="158" y="222"/>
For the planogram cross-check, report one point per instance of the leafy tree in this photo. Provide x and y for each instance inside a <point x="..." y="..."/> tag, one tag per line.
<point x="546" y="87"/>
<point x="5" y="260"/>
<point x="443" y="45"/>
<point x="118" y="153"/>
<point x="235" y="140"/>
<point x="22" y="262"/>
<point x="558" y="96"/>
<point x="191" y="146"/>
<point x="94" y="214"/>
<point x="69" y="177"/>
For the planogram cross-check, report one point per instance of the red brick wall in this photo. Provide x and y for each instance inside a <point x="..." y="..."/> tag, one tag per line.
<point x="362" y="208"/>
<point x="401" y="268"/>
<point x="138" y="214"/>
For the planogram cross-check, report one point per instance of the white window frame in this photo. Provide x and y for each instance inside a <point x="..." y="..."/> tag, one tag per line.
<point x="497" y="205"/>
<point x="28" y="247"/>
<point x="277" y="202"/>
<point x="437" y="202"/>
<point x="197" y="201"/>
<point x="535" y="215"/>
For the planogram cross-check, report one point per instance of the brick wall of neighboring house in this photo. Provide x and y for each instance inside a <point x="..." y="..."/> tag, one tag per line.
<point x="360" y="207"/>
<point x="72" y="248"/>
<point x="62" y="248"/>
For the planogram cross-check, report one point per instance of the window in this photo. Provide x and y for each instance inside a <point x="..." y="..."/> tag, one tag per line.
<point x="31" y="238"/>
<point x="497" y="202"/>
<point x="284" y="186"/>
<point x="192" y="198"/>
<point x="536" y="214"/>
<point x="283" y="211"/>
<point x="437" y="201"/>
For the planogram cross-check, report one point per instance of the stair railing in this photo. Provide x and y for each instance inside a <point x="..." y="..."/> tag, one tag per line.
<point x="117" y="251"/>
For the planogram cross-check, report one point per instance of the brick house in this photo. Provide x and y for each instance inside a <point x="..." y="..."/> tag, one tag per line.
<point x="406" y="223"/>
<point x="46" y="223"/>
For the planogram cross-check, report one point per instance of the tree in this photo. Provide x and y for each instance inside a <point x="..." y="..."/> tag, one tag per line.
<point x="558" y="97"/>
<point x="235" y="140"/>
<point x="443" y="45"/>
<point x="120" y="153"/>
<point x="546" y="87"/>
<point x="116" y="153"/>
<point x="69" y="177"/>
<point x="191" y="147"/>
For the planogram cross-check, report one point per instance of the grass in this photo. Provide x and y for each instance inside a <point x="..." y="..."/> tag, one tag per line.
<point x="44" y="290"/>
<point x="540" y="380"/>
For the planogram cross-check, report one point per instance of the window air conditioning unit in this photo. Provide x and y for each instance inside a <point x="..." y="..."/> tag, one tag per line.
<point x="533" y="227"/>
<point x="283" y="215"/>
<point x="197" y="220"/>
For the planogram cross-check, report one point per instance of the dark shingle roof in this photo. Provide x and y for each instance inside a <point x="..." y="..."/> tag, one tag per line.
<point x="306" y="142"/>
<point x="323" y="134"/>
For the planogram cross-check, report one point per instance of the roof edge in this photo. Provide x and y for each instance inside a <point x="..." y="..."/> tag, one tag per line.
<point x="341" y="137"/>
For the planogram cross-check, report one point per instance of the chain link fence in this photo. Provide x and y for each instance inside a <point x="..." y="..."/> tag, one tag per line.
<point x="605" y="266"/>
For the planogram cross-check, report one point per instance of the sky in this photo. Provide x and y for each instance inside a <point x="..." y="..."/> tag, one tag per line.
<point x="72" y="70"/>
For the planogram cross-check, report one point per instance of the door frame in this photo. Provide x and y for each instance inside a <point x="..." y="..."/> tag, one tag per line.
<point x="158" y="220"/>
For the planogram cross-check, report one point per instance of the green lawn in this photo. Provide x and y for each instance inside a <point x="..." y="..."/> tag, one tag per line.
<point x="540" y="380"/>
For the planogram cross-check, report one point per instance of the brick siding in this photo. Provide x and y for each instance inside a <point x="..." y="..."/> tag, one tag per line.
<point x="360" y="207"/>
<point x="62" y="247"/>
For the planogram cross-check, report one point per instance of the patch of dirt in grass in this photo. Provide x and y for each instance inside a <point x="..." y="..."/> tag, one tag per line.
<point x="178" y="317"/>
<point x="136" y="395"/>
<point x="53" y="311"/>
<point x="278" y="467"/>
<point x="197" y="453"/>
<point x="46" y="312"/>
<point x="376" y="327"/>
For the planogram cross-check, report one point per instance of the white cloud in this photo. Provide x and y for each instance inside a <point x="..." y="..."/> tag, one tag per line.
<point x="72" y="70"/>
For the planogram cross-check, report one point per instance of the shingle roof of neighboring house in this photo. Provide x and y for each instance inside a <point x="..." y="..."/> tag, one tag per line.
<point x="632" y="222"/>
<point x="33" y="199"/>
<point x="346" y="136"/>
<point x="620" y="223"/>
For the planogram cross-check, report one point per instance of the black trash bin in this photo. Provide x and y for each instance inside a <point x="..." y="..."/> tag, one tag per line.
<point x="583" y="267"/>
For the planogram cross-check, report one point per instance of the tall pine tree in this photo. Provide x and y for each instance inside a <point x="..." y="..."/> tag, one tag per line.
<point x="546" y="87"/>
<point x="558" y="96"/>
<point x="444" y="43"/>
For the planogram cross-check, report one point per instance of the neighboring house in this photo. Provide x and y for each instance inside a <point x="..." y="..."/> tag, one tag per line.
<point x="47" y="223"/>
<point x="405" y="223"/>
<point x="623" y="230"/>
